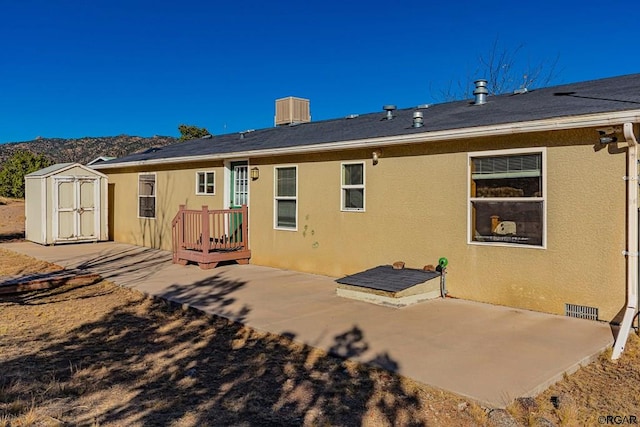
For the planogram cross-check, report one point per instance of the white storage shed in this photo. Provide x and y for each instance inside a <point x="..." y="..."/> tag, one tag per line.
<point x="66" y="202"/>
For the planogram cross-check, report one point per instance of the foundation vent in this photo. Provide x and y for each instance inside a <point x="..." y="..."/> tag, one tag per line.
<point x="581" y="311"/>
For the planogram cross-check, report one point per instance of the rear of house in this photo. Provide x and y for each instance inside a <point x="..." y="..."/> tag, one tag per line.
<point x="519" y="193"/>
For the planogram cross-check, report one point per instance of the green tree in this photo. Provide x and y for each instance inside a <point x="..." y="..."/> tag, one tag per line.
<point x="192" y="132"/>
<point x="16" y="167"/>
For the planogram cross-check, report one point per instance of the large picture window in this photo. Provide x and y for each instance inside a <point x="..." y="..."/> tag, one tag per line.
<point x="147" y="195"/>
<point x="286" y="197"/>
<point x="507" y="198"/>
<point x="205" y="183"/>
<point x="352" y="187"/>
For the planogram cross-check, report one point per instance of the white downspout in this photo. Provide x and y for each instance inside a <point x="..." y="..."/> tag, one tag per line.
<point x="632" y="238"/>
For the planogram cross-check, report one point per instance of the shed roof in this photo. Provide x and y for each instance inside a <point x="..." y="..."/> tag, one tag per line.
<point x="61" y="167"/>
<point x="616" y="94"/>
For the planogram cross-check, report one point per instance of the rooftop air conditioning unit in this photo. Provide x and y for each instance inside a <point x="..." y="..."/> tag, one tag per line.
<point x="292" y="110"/>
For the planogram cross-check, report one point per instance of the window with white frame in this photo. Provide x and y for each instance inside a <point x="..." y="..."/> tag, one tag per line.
<point x="147" y="195"/>
<point x="352" y="187"/>
<point x="205" y="183"/>
<point x="286" y="197"/>
<point x="507" y="200"/>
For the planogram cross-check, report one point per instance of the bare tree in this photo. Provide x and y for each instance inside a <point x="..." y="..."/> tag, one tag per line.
<point x="505" y="72"/>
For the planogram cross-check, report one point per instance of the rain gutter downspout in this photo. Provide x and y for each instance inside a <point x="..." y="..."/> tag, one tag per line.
<point x="632" y="242"/>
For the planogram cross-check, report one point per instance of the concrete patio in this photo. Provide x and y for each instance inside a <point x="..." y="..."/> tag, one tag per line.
<point x="488" y="353"/>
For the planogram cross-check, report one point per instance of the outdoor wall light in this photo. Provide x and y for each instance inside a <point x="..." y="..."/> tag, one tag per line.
<point x="255" y="173"/>
<point x="375" y="156"/>
<point x="607" y="135"/>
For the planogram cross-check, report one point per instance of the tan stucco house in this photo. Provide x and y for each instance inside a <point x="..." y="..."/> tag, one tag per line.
<point x="531" y="196"/>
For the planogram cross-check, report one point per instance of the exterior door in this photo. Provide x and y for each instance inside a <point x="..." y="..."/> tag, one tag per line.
<point x="86" y="208"/>
<point x="76" y="216"/>
<point x="239" y="184"/>
<point x="239" y="196"/>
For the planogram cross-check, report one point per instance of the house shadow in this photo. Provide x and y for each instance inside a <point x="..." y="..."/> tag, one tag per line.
<point x="12" y="237"/>
<point x="153" y="362"/>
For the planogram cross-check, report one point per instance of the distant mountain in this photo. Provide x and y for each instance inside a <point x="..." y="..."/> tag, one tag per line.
<point x="83" y="150"/>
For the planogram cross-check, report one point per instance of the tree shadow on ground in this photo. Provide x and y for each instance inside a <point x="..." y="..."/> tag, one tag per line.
<point x="151" y="362"/>
<point x="135" y="263"/>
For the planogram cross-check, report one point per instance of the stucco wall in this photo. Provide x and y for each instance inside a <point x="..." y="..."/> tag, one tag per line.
<point x="175" y="185"/>
<point x="416" y="211"/>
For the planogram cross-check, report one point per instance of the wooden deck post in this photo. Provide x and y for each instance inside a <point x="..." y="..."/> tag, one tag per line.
<point x="245" y="226"/>
<point x="206" y="238"/>
<point x="178" y="232"/>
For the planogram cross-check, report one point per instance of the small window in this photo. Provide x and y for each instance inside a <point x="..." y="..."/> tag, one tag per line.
<point x="286" y="197"/>
<point x="147" y="195"/>
<point x="507" y="198"/>
<point x="352" y="187"/>
<point x="205" y="183"/>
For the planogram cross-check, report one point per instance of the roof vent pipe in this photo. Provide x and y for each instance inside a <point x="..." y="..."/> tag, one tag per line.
<point x="480" y="92"/>
<point x="389" y="109"/>
<point x="418" y="121"/>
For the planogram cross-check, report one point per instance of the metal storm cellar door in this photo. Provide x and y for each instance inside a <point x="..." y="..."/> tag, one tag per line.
<point x="76" y="216"/>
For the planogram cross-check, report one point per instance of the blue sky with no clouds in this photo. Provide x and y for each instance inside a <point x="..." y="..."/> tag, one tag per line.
<point x="73" y="68"/>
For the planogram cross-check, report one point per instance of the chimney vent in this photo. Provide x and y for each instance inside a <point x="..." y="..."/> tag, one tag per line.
<point x="480" y="92"/>
<point x="389" y="109"/>
<point x="418" y="121"/>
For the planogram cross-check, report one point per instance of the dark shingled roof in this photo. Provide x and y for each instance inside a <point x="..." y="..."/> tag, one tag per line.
<point x="386" y="278"/>
<point x="597" y="96"/>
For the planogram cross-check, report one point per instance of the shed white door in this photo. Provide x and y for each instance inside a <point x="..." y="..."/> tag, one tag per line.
<point x="77" y="211"/>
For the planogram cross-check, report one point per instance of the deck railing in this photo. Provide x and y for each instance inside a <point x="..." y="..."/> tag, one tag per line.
<point x="209" y="236"/>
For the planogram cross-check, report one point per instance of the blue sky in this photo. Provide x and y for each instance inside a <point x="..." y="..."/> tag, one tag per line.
<point x="74" y="68"/>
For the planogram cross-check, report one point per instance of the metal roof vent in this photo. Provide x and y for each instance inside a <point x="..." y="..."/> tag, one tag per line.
<point x="480" y="92"/>
<point x="418" y="121"/>
<point x="244" y="132"/>
<point x="389" y="109"/>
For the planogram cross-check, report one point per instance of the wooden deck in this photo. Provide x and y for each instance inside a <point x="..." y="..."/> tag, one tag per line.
<point x="209" y="237"/>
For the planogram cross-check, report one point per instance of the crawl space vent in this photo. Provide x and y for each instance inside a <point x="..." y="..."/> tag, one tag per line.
<point x="581" y="311"/>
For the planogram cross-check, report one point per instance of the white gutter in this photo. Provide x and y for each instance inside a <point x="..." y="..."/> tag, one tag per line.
<point x="632" y="239"/>
<point x="560" y="123"/>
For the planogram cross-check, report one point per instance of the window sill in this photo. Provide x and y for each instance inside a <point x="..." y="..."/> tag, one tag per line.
<point x="285" y="229"/>
<point x="505" y="245"/>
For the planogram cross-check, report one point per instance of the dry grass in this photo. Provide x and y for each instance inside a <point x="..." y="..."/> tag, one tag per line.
<point x="13" y="264"/>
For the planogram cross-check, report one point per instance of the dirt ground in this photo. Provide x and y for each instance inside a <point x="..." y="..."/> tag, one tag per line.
<point x="92" y="353"/>
<point x="11" y="219"/>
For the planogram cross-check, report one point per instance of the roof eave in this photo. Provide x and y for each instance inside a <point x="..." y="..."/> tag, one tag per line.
<point x="557" y="123"/>
<point x="64" y="169"/>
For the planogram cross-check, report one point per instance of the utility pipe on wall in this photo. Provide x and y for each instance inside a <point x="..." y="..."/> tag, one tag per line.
<point x="632" y="242"/>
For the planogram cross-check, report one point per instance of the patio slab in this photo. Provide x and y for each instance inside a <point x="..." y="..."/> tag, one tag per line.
<point x="491" y="354"/>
